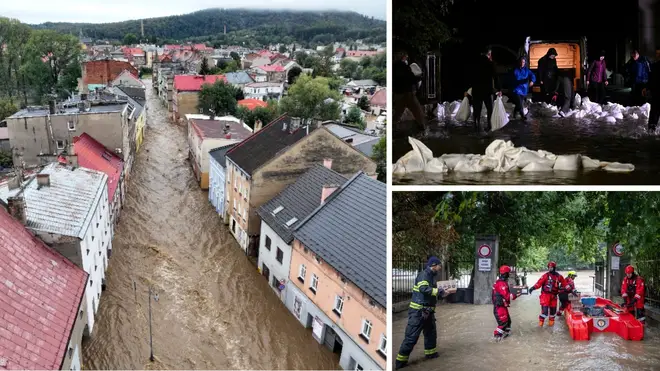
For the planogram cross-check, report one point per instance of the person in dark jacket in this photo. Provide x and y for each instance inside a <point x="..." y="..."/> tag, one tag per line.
<point x="597" y="79"/>
<point x="654" y="86"/>
<point x="562" y="93"/>
<point x="524" y="79"/>
<point x="421" y="314"/>
<point x="638" y="69"/>
<point x="484" y="83"/>
<point x="548" y="72"/>
<point x="404" y="83"/>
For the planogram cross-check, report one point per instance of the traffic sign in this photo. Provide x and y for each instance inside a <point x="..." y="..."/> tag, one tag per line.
<point x="617" y="249"/>
<point x="484" y="251"/>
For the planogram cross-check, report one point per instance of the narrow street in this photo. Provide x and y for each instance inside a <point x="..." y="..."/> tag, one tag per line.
<point x="214" y="309"/>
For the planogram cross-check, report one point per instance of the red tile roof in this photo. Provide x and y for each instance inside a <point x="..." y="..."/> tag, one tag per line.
<point x="379" y="99"/>
<point x="251" y="104"/>
<point x="133" y="51"/>
<point x="40" y="295"/>
<point x="195" y="82"/>
<point x="93" y="155"/>
<point x="361" y="53"/>
<point x="272" y="68"/>
<point x="266" y="53"/>
<point x="201" y="47"/>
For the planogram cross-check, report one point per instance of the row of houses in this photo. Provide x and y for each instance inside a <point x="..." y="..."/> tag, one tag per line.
<point x="56" y="231"/>
<point x="303" y="200"/>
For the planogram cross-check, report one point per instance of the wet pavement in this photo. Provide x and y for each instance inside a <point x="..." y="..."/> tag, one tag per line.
<point x="214" y="310"/>
<point x="624" y="141"/>
<point x="465" y="342"/>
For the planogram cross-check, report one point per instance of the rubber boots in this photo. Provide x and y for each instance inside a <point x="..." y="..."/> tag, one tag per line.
<point x="541" y="323"/>
<point x="551" y="322"/>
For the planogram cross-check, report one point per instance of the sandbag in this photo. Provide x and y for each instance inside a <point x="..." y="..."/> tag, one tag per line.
<point x="617" y="167"/>
<point x="577" y="101"/>
<point x="537" y="167"/>
<point x="588" y="163"/>
<point x="435" y="165"/>
<point x="568" y="162"/>
<point x="415" y="160"/>
<point x="471" y="166"/>
<point x="452" y="159"/>
<point x="499" y="118"/>
<point x="528" y="157"/>
<point x="463" y="113"/>
<point x="440" y="112"/>
<point x="416" y="70"/>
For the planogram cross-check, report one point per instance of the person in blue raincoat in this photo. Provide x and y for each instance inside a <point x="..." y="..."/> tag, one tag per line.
<point x="524" y="79"/>
<point x="421" y="314"/>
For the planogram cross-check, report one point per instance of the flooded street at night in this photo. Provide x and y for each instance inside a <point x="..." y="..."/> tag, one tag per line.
<point x="465" y="342"/>
<point x="625" y="141"/>
<point x="214" y="310"/>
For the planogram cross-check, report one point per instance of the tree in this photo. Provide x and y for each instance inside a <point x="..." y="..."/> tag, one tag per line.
<point x="218" y="98"/>
<point x="311" y="99"/>
<point x="235" y="57"/>
<point x="293" y="74"/>
<point x="282" y="49"/>
<point x="7" y="108"/>
<point x="363" y="103"/>
<point x="354" y="117"/>
<point x="263" y="114"/>
<point x="130" y="39"/>
<point x="204" y="69"/>
<point x="379" y="155"/>
<point x="419" y="27"/>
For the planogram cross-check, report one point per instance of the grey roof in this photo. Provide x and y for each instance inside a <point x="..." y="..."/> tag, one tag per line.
<point x="66" y="206"/>
<point x="353" y="136"/>
<point x="298" y="200"/>
<point x="367" y="147"/>
<point x="240" y="77"/>
<point x="364" y="83"/>
<point x="220" y="154"/>
<point x="43" y="111"/>
<point x="137" y="94"/>
<point x="349" y="232"/>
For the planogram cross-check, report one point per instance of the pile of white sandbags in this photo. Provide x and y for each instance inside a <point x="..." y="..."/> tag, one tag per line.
<point x="500" y="156"/>
<point x="585" y="108"/>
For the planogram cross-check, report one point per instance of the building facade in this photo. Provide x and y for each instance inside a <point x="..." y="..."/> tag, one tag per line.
<point x="217" y="178"/>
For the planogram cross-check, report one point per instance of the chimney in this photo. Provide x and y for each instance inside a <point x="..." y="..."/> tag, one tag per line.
<point x="16" y="208"/>
<point x="81" y="106"/>
<point x="228" y="136"/>
<point x="295" y="124"/>
<point x="327" y="191"/>
<point x="327" y="162"/>
<point x="51" y="107"/>
<point x="43" y="180"/>
<point x="375" y="176"/>
<point x="257" y="126"/>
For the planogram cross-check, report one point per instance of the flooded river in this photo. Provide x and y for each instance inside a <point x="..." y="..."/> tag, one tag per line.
<point x="624" y="141"/>
<point x="465" y="342"/>
<point x="214" y="310"/>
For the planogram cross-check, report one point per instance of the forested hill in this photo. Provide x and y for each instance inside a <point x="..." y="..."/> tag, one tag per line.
<point x="301" y="26"/>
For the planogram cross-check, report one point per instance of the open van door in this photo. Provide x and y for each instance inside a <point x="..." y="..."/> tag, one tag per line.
<point x="582" y="85"/>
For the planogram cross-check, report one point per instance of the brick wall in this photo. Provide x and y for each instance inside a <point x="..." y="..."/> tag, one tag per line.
<point x="103" y="72"/>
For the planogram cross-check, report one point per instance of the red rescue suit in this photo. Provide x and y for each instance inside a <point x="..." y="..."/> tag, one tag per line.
<point x="549" y="284"/>
<point x="632" y="290"/>
<point x="502" y="297"/>
<point x="568" y="288"/>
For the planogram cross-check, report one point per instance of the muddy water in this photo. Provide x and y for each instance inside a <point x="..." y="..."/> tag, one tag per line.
<point x="625" y="141"/>
<point x="465" y="341"/>
<point x="214" y="310"/>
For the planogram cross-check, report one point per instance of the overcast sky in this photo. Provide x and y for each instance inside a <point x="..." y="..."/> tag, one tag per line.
<point x="101" y="11"/>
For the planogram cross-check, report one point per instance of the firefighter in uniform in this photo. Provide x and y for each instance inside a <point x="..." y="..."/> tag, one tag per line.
<point x="564" y="291"/>
<point x="421" y="314"/>
<point x="502" y="298"/>
<point x="632" y="291"/>
<point x="549" y="284"/>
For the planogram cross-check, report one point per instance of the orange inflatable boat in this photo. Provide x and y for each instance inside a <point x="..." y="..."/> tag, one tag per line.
<point x="595" y="314"/>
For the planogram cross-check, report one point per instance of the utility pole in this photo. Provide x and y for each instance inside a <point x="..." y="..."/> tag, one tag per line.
<point x="151" y="342"/>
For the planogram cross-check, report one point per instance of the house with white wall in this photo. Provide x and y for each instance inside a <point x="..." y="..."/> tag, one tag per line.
<point x="281" y="215"/>
<point x="259" y="90"/>
<point x="68" y="208"/>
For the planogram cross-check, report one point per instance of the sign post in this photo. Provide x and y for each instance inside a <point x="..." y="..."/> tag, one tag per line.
<point x="486" y="250"/>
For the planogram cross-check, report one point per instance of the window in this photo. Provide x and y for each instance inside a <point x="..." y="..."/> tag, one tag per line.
<point x="60" y="144"/>
<point x="315" y="283"/>
<point x="290" y="222"/>
<point x="339" y="305"/>
<point x="278" y="209"/>
<point x="382" y="346"/>
<point x="358" y="367"/>
<point x="268" y="243"/>
<point x="280" y="255"/>
<point x="302" y="271"/>
<point x="70" y="352"/>
<point x="91" y="282"/>
<point x="87" y="251"/>
<point x="366" y="330"/>
<point x="81" y="314"/>
<point x="72" y="126"/>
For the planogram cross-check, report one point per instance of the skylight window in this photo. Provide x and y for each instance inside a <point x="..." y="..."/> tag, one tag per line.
<point x="290" y="222"/>
<point x="278" y="209"/>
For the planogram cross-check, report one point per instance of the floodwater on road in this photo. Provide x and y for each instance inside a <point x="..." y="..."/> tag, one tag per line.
<point x="623" y="141"/>
<point x="465" y="342"/>
<point x="214" y="310"/>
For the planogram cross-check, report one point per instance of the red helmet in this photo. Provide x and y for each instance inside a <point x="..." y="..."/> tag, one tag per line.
<point x="630" y="269"/>
<point x="552" y="265"/>
<point x="505" y="269"/>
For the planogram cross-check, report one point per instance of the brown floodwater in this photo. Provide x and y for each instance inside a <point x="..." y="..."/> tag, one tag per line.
<point x="214" y="310"/>
<point x="465" y="342"/>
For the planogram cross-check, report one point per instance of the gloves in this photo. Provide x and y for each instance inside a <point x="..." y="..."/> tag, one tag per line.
<point x="531" y="289"/>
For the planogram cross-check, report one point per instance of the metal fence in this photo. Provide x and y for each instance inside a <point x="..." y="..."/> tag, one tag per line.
<point x="599" y="279"/>
<point x="404" y="273"/>
<point x="650" y="272"/>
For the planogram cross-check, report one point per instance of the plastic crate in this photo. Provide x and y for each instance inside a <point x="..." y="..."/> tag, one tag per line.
<point x="588" y="302"/>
